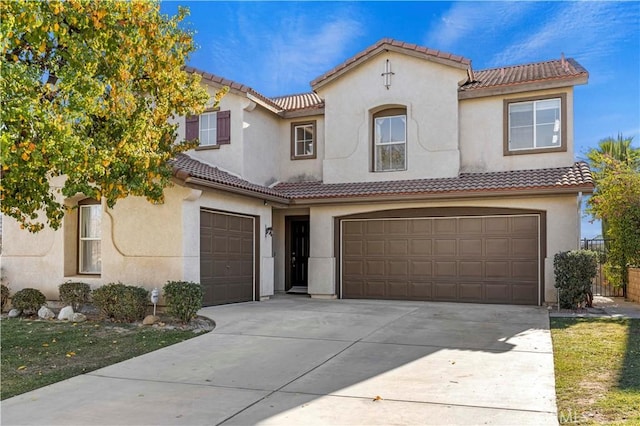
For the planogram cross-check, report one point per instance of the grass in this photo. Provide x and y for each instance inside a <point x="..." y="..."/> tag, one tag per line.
<point x="36" y="353"/>
<point x="597" y="367"/>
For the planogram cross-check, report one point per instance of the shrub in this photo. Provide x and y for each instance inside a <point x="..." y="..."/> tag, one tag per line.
<point x="75" y="294"/>
<point x="574" y="272"/>
<point x="121" y="302"/>
<point x="5" y="296"/>
<point x="28" y="299"/>
<point x="183" y="299"/>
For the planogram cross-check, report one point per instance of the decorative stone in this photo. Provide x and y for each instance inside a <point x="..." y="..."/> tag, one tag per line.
<point x="65" y="313"/>
<point x="78" y="317"/>
<point x="150" y="320"/>
<point x="46" y="313"/>
<point x="14" y="313"/>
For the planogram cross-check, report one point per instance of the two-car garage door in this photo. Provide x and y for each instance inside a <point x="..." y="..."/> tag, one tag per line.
<point x="482" y="259"/>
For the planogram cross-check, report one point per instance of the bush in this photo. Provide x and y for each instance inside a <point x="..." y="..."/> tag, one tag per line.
<point x="75" y="294"/>
<point x="5" y="296"/>
<point x="28" y="299"/>
<point x="183" y="299"/>
<point x="121" y="302"/>
<point x="574" y="272"/>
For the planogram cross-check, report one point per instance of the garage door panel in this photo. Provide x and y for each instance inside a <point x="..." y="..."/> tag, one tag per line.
<point x="374" y="248"/>
<point x="470" y="225"/>
<point x="470" y="269"/>
<point x="444" y="247"/>
<point x="486" y="259"/>
<point x="227" y="260"/>
<point x="397" y="289"/>
<point x="444" y="226"/>
<point x="375" y="268"/>
<point x="469" y="291"/>
<point x="420" y="267"/>
<point x="470" y="247"/>
<point x="445" y="269"/>
<point x="420" y="290"/>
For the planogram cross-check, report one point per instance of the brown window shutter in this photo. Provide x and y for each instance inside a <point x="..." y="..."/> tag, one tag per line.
<point x="192" y="124"/>
<point x="224" y="127"/>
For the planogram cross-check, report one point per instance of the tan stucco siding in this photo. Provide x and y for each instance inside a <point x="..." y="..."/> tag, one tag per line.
<point x="562" y="232"/>
<point x="302" y="169"/>
<point x="482" y="136"/>
<point x="429" y="93"/>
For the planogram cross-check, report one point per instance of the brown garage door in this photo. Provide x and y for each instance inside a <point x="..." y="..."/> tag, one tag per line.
<point x="483" y="259"/>
<point x="226" y="258"/>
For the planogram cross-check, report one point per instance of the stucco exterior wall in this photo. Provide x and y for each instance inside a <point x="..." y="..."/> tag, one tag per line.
<point x="428" y="90"/>
<point x="562" y="232"/>
<point x="261" y="159"/>
<point x="302" y="169"/>
<point x="482" y="136"/>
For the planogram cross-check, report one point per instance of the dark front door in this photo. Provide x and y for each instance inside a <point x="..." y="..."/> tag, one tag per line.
<point x="298" y="252"/>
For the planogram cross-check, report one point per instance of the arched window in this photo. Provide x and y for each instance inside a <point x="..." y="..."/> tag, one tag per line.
<point x="390" y="139"/>
<point x="89" y="236"/>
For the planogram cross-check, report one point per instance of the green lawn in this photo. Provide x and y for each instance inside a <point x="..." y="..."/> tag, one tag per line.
<point x="37" y="353"/>
<point x="597" y="367"/>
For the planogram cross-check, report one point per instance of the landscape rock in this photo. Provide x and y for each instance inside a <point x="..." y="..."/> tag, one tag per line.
<point x="14" y="313"/>
<point x="150" y="320"/>
<point x="65" y="313"/>
<point x="78" y="317"/>
<point x="46" y="313"/>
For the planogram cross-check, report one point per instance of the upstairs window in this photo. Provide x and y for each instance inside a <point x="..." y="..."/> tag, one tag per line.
<point x="390" y="140"/>
<point x="90" y="237"/>
<point x="212" y="129"/>
<point x="303" y="140"/>
<point x="535" y="125"/>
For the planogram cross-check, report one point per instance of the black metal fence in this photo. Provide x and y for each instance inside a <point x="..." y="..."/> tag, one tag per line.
<point x="600" y="286"/>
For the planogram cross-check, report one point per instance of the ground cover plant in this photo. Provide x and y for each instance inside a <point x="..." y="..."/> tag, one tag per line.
<point x="36" y="353"/>
<point x="597" y="368"/>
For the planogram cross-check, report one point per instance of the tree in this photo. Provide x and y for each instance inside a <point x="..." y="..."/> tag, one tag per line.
<point x="87" y="91"/>
<point x="618" y="149"/>
<point x="617" y="201"/>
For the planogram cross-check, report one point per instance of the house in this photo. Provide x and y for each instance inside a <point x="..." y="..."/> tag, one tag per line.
<point x="404" y="174"/>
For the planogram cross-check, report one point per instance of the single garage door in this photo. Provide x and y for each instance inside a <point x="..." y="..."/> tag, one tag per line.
<point x="481" y="259"/>
<point x="226" y="257"/>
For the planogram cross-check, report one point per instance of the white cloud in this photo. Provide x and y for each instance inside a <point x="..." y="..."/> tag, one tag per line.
<point x="467" y="22"/>
<point x="585" y="30"/>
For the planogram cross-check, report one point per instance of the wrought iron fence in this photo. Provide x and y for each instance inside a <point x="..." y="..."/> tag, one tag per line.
<point x="600" y="286"/>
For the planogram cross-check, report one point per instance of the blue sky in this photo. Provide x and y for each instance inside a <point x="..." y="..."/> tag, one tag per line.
<point x="277" y="48"/>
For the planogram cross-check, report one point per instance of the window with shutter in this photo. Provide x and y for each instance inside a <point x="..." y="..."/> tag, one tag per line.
<point x="211" y="128"/>
<point x="224" y="127"/>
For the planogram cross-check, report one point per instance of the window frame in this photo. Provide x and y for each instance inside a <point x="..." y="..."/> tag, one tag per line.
<point x="294" y="141"/>
<point x="391" y="111"/>
<point x="213" y="113"/>
<point x="88" y="202"/>
<point x="562" y="147"/>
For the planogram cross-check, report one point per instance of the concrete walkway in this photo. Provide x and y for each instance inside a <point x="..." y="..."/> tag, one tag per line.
<point x="297" y="361"/>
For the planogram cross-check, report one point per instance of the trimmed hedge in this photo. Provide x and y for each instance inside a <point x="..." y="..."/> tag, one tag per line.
<point x="183" y="299"/>
<point x="28" y="299"/>
<point x="574" y="272"/>
<point x="121" y="302"/>
<point x="75" y="294"/>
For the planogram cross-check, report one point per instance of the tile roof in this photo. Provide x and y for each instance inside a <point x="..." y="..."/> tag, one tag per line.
<point x="396" y="45"/>
<point x="575" y="177"/>
<point x="185" y="167"/>
<point x="558" y="69"/>
<point x="299" y="101"/>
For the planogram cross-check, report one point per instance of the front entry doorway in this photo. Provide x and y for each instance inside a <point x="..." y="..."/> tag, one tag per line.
<point x="297" y="254"/>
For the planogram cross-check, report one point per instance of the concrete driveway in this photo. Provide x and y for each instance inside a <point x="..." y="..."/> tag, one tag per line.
<point x="298" y="361"/>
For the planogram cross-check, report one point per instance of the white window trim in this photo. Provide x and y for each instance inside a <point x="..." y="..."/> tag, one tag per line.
<point x="377" y="144"/>
<point x="535" y="125"/>
<point x="81" y="239"/>
<point x="213" y="129"/>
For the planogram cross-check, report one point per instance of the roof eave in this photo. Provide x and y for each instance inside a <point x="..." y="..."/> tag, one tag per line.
<point x="523" y="87"/>
<point x="323" y="81"/>
<point x="574" y="189"/>
<point x="306" y="112"/>
<point x="198" y="182"/>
